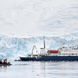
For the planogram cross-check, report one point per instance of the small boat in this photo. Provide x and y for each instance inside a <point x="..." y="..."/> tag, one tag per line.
<point x="4" y="63"/>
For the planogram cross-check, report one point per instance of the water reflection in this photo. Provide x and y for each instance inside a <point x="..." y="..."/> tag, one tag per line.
<point x="3" y="67"/>
<point x="55" y="69"/>
<point x="40" y="70"/>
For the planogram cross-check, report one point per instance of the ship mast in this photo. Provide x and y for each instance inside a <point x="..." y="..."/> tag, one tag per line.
<point x="44" y="42"/>
<point x="43" y="52"/>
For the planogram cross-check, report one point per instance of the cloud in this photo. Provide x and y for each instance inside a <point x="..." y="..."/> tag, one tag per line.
<point x="32" y="17"/>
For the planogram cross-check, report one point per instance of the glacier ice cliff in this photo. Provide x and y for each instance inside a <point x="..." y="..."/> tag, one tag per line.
<point x="12" y="47"/>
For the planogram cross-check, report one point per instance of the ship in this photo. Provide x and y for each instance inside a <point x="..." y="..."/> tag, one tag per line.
<point x="62" y="54"/>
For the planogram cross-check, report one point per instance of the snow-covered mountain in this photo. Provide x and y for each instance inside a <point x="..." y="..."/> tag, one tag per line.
<point x="12" y="47"/>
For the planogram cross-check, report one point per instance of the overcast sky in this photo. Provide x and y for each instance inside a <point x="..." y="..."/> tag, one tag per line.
<point x="38" y="17"/>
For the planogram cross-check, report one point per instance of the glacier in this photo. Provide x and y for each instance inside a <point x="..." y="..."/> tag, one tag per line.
<point x="14" y="47"/>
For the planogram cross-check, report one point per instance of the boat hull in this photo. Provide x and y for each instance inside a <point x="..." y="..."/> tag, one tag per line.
<point x="5" y="64"/>
<point x="50" y="58"/>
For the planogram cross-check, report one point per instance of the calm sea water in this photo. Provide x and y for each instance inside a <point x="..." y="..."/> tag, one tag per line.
<point x="40" y="70"/>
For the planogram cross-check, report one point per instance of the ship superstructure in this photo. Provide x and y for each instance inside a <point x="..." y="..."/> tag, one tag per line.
<point x="69" y="51"/>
